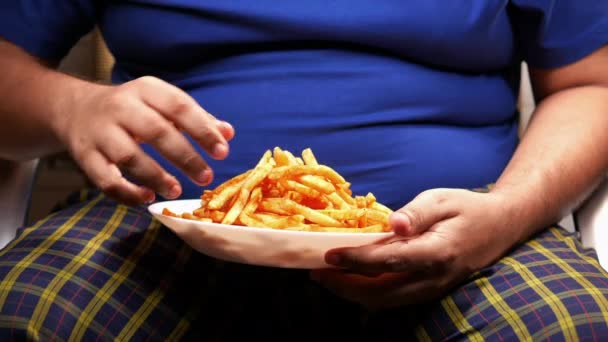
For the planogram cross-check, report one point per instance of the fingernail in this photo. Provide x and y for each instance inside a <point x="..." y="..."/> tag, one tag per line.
<point x="400" y="223"/>
<point x="149" y="197"/>
<point x="220" y="150"/>
<point x="228" y="130"/>
<point x="174" y="192"/>
<point x="225" y="124"/>
<point x="333" y="259"/>
<point x="205" y="177"/>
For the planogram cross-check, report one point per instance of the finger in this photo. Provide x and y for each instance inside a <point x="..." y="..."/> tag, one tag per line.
<point x="120" y="149"/>
<point x="415" y="292"/>
<point x="415" y="289"/>
<point x="423" y="212"/>
<point x="387" y="290"/>
<point x="178" y="107"/>
<point x="372" y="274"/>
<point x="340" y="279"/>
<point x="108" y="178"/>
<point x="226" y="129"/>
<point x="366" y="259"/>
<point x="152" y="128"/>
<point x="426" y="254"/>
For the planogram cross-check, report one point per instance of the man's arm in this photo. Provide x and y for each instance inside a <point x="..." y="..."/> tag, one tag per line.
<point x="32" y="96"/>
<point x="43" y="111"/>
<point x="564" y="151"/>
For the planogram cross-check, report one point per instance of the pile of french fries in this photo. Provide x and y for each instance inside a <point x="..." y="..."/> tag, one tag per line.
<point x="293" y="193"/>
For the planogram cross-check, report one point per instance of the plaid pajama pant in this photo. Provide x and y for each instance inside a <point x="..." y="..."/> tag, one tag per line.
<point x="97" y="271"/>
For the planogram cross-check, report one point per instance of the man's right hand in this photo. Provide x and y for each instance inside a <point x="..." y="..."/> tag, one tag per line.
<point x="103" y="126"/>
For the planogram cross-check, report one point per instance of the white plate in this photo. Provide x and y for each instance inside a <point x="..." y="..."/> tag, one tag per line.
<point x="257" y="246"/>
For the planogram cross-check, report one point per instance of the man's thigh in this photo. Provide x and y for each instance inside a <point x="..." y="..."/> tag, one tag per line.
<point x="98" y="270"/>
<point x="548" y="288"/>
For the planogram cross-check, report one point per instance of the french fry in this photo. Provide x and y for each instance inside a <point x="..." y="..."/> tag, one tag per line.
<point x="318" y="170"/>
<point x="272" y="205"/>
<point x="371" y="229"/>
<point x="256" y="176"/>
<point x="310" y="214"/>
<point x="280" y="222"/>
<point x="346" y="196"/>
<point x="381" y="207"/>
<point x="224" y="196"/>
<point x="317" y="183"/>
<point x="300" y="188"/>
<point x="168" y="212"/>
<point x="309" y="157"/>
<point x="217" y="215"/>
<point x="292" y="160"/>
<point x="293" y="193"/>
<point x="344" y="214"/>
<point x="231" y="181"/>
<point x="249" y="221"/>
<point x="254" y="201"/>
<point x="280" y="157"/>
<point x="376" y="216"/>
<point x="337" y="201"/>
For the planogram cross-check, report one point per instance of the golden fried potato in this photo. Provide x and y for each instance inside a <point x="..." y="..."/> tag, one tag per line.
<point x="294" y="193"/>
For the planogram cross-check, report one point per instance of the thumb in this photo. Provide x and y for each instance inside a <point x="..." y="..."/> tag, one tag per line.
<point x="428" y="208"/>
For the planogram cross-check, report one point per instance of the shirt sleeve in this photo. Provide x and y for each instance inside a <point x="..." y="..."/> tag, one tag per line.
<point x="46" y="28"/>
<point x="554" y="33"/>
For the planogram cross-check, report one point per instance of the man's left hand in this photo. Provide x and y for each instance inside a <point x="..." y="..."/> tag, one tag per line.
<point x="441" y="237"/>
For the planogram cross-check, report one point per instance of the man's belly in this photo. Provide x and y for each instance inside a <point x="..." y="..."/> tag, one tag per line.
<point x="389" y="126"/>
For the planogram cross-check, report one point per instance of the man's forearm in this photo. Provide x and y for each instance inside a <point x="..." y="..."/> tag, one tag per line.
<point x="34" y="98"/>
<point x="562" y="156"/>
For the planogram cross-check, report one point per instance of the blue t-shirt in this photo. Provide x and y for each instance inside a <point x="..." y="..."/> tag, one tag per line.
<point x="398" y="96"/>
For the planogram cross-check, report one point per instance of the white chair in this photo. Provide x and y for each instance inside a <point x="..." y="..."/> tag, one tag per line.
<point x="592" y="222"/>
<point x="16" y="183"/>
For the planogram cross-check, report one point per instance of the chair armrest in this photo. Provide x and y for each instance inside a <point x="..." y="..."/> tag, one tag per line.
<point x="16" y="182"/>
<point x="592" y="222"/>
